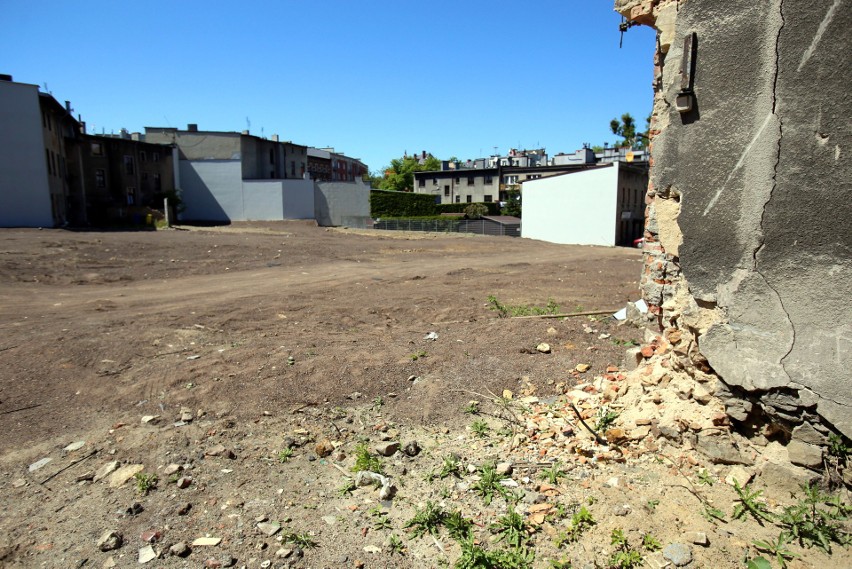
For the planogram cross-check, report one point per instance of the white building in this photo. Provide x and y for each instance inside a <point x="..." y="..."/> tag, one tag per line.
<point x="599" y="206"/>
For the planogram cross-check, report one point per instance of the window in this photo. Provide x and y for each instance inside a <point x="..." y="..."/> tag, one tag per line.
<point x="142" y="156"/>
<point x="421" y="183"/>
<point x="128" y="164"/>
<point x="155" y="156"/>
<point x="470" y="180"/>
<point x="488" y="198"/>
<point x="158" y="184"/>
<point x="100" y="178"/>
<point x="489" y="180"/>
<point x="271" y="156"/>
<point x="144" y="176"/>
<point x="303" y="170"/>
<point x="458" y="199"/>
<point x="131" y="195"/>
<point x="469" y="199"/>
<point x="446" y="190"/>
<point x="97" y="149"/>
<point x="292" y="168"/>
<point x="47" y="158"/>
<point x="458" y="180"/>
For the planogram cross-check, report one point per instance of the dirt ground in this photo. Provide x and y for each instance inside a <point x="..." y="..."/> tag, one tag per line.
<point x="244" y="341"/>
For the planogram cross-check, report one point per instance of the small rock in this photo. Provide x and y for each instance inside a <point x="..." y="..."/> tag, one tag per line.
<point x="109" y="563"/>
<point x="269" y="528"/>
<point x="431" y="336"/>
<point x="151" y="536"/>
<point x="721" y="450"/>
<point x="184" y="510"/>
<point x="19" y="483"/>
<point x="786" y="477"/>
<point x="75" y="446"/>
<point x="338" y="456"/>
<point x="186" y="415"/>
<point x="621" y="510"/>
<point x="284" y="553"/>
<point x="180" y="549"/>
<point x="740" y="474"/>
<point x="411" y="448"/>
<point x="387" y="449"/>
<point x="265" y="564"/>
<point x="184" y="482"/>
<point x="135" y="509"/>
<point x="612" y="482"/>
<point x="544" y="348"/>
<point x="324" y="448"/>
<point x="552" y="331"/>
<point x="678" y="553"/>
<point x="207" y="541"/>
<point x="39" y="464"/>
<point x="147" y="554"/>
<point x="110" y="540"/>
<point x="215" y="450"/>
<point x="372" y="549"/>
<point x="583" y="368"/>
<point x="150" y="419"/>
<point x="504" y="468"/>
<point x="804" y="454"/>
<point x="330" y="520"/>
<point x="106" y="470"/>
<point x="806" y="433"/>
<point x="172" y="469"/>
<point x="124" y="474"/>
<point x="698" y="538"/>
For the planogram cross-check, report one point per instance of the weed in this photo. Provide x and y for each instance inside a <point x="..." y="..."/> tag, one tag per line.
<point x="145" y="482"/>
<point x="472" y="556"/>
<point x="710" y="513"/>
<point x="303" y="540"/>
<point x="506" y="310"/>
<point x="381" y="521"/>
<point x="488" y="484"/>
<point x="377" y="403"/>
<point x="624" y="557"/>
<point x="651" y="543"/>
<point x="511" y="528"/>
<point x="515" y="558"/>
<point x="778" y="548"/>
<point x="836" y="447"/>
<point x="428" y="520"/>
<point x="472" y="408"/>
<point x="705" y="478"/>
<point x="758" y="563"/>
<point x="748" y="503"/>
<point x="458" y="526"/>
<point x="346" y="488"/>
<point x="451" y="467"/>
<point x="417" y="355"/>
<point x="560" y="564"/>
<point x="285" y="455"/>
<point x="652" y="504"/>
<point x="366" y="461"/>
<point x="581" y="521"/>
<point x="480" y="428"/>
<point x="552" y="474"/>
<point x="817" y="519"/>
<point x="591" y="500"/>
<point x="605" y="418"/>
<point x="395" y="545"/>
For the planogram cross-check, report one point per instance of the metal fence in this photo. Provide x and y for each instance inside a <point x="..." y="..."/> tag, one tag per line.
<point x="477" y="226"/>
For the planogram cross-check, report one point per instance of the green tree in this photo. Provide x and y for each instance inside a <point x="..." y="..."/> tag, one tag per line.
<point x="475" y="210"/>
<point x="626" y="129"/>
<point x="399" y="175"/>
<point x="513" y="203"/>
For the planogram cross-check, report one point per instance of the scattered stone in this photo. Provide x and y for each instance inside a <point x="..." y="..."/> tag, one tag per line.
<point x="216" y="450"/>
<point x="75" y="446"/>
<point x="180" y="549"/>
<point x="269" y="528"/>
<point x="184" y="482"/>
<point x="806" y="433"/>
<point x="697" y="537"/>
<point x="552" y="331"/>
<point x="621" y="510"/>
<point x="284" y="553"/>
<point x="186" y="415"/>
<point x="109" y="563"/>
<point x="147" y="554"/>
<point x="388" y="448"/>
<point x="583" y="368"/>
<point x="431" y="336"/>
<point x="19" y="483"/>
<point x="324" y="448"/>
<point x="786" y="477"/>
<point x="330" y="520"/>
<point x="721" y="450"/>
<point x="207" y="541"/>
<point x="804" y="454"/>
<point x="612" y="482"/>
<point x="544" y="348"/>
<point x="372" y="549"/>
<point x="106" y="470"/>
<point x="172" y="469"/>
<point x="110" y="540"/>
<point x="135" y="509"/>
<point x="124" y="474"/>
<point x="678" y="553"/>
<point x="411" y="448"/>
<point x="151" y="536"/>
<point x="504" y="468"/>
<point x="739" y="474"/>
<point x="338" y="456"/>
<point x="265" y="564"/>
<point x="184" y="510"/>
<point x="150" y="419"/>
<point x="39" y="464"/>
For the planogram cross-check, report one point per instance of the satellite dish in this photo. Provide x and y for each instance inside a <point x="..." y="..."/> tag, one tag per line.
<point x="629" y="157"/>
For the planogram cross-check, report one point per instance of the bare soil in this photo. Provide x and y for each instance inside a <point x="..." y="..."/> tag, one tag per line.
<point x="268" y="336"/>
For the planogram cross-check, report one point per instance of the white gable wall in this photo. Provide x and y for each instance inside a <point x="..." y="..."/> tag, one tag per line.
<point x="573" y="209"/>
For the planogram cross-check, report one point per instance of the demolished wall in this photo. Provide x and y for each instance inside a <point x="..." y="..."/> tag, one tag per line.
<point x="748" y="255"/>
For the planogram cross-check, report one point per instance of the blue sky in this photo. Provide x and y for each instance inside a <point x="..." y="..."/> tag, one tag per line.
<point x="371" y="78"/>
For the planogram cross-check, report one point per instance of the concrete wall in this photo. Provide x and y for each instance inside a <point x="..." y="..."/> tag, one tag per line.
<point x="750" y="248"/>
<point x="24" y="190"/>
<point x="213" y="190"/>
<point x="342" y="203"/>
<point x="578" y="208"/>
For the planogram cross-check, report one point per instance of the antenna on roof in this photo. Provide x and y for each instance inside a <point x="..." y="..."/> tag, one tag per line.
<point x="248" y="124"/>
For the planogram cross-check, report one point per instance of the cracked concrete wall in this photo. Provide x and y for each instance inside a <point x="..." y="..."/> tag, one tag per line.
<point x="749" y="246"/>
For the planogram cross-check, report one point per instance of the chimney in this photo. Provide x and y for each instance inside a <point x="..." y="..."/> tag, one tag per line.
<point x="68" y="106"/>
<point x="424" y="154"/>
<point x="124" y="134"/>
<point x="274" y="138"/>
<point x="4" y="77"/>
<point x="192" y="127"/>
